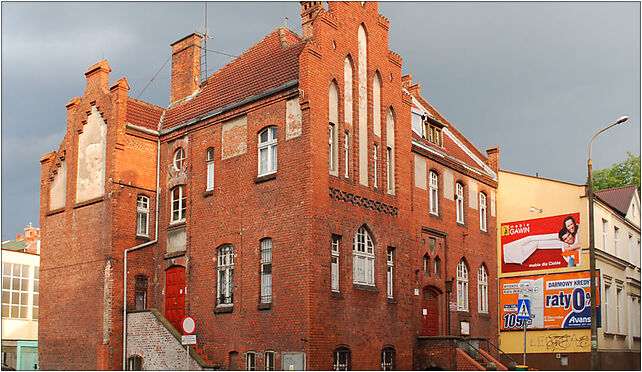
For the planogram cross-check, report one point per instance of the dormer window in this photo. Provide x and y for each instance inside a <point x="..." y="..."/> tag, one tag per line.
<point x="434" y="134"/>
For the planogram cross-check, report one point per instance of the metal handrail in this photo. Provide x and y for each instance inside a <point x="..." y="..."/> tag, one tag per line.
<point x="500" y="352"/>
<point x="476" y="349"/>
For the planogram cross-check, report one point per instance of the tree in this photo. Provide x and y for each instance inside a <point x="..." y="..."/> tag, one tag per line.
<point x="620" y="174"/>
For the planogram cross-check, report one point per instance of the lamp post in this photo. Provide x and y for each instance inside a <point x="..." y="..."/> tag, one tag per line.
<point x="449" y="289"/>
<point x="594" y="360"/>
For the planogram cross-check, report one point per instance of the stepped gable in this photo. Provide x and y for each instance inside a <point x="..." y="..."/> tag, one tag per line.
<point x="268" y="64"/>
<point x="619" y="198"/>
<point x="143" y="114"/>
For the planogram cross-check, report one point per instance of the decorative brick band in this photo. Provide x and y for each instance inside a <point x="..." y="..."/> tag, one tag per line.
<point x="364" y="202"/>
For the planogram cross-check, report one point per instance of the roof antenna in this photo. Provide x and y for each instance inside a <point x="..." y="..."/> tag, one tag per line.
<point x="286" y="22"/>
<point x="204" y="70"/>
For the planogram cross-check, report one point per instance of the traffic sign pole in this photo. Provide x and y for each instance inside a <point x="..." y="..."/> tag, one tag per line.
<point x="524" y="314"/>
<point x="524" y="361"/>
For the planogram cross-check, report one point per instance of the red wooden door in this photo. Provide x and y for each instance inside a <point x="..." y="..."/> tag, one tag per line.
<point x="430" y="314"/>
<point x="175" y="295"/>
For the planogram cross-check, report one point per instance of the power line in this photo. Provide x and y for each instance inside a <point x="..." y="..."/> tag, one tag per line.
<point x="151" y="81"/>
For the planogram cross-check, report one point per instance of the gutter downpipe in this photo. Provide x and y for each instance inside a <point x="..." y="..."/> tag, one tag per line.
<point x="124" y="367"/>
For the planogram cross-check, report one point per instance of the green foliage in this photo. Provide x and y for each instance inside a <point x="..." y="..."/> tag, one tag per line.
<point x="620" y="174"/>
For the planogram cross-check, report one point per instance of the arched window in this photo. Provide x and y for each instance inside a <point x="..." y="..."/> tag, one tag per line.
<point x="225" y="268"/>
<point x="459" y="188"/>
<point x="376" y="104"/>
<point x="434" y="193"/>
<point x="482" y="289"/>
<point x="482" y="212"/>
<point x="134" y="363"/>
<point x="462" y="286"/>
<point x="437" y="267"/>
<point x="388" y="359"/>
<point x="426" y="264"/>
<point x="179" y="159"/>
<point x="390" y="151"/>
<point x="142" y="215"/>
<point x="269" y="360"/>
<point x="266" y="271"/>
<point x="267" y="151"/>
<point x="341" y="359"/>
<point x="361" y="134"/>
<point x="363" y="258"/>
<point x="209" y="158"/>
<point x="250" y="361"/>
<point x="179" y="201"/>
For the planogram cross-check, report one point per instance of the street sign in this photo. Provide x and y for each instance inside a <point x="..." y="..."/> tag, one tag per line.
<point x="188" y="340"/>
<point x="523" y="309"/>
<point x="189" y="325"/>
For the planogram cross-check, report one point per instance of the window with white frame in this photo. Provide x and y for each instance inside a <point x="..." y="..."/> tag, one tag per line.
<point x="363" y="258"/>
<point x="462" y="286"/>
<point x="436" y="267"/>
<point x="605" y="308"/>
<point x="426" y="264"/>
<point x="142" y="215"/>
<point x="269" y="360"/>
<point x="250" y="361"/>
<point x="179" y="159"/>
<point x="616" y="238"/>
<point x="619" y="302"/>
<point x="335" y="263"/>
<point x="346" y="154"/>
<point x="459" y="188"/>
<point x="482" y="289"/>
<point x="389" y="175"/>
<point x="605" y="226"/>
<point x="433" y="193"/>
<point x="15" y="290"/>
<point x="631" y="255"/>
<point x="389" y="272"/>
<point x="331" y="134"/>
<point x="482" y="212"/>
<point x="209" y="158"/>
<point x="388" y="359"/>
<point x="266" y="271"/>
<point x="179" y="201"/>
<point x="267" y="151"/>
<point x="35" y="309"/>
<point x="135" y="363"/>
<point x="376" y="165"/>
<point x="225" y="268"/>
<point x="341" y="359"/>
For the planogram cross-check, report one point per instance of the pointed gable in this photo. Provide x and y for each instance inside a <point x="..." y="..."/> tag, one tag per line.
<point x="269" y="64"/>
<point x="619" y="198"/>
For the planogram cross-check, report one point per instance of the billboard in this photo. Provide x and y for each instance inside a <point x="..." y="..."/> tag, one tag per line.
<point x="557" y="301"/>
<point x="541" y="243"/>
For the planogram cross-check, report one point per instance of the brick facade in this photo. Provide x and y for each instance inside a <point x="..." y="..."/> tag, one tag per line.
<point x="300" y="207"/>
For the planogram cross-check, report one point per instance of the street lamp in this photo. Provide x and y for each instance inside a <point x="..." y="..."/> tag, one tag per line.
<point x="449" y="289"/>
<point x="594" y="361"/>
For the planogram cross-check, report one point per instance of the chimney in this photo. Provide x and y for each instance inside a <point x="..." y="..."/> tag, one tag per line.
<point x="186" y="66"/>
<point x="98" y="76"/>
<point x="493" y="158"/>
<point x="309" y="11"/>
<point x="31" y="233"/>
<point x="20" y="236"/>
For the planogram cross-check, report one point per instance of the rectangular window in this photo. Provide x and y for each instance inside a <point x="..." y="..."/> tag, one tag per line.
<point x="606" y="320"/>
<point x="631" y="255"/>
<point x="179" y="201"/>
<point x="142" y="215"/>
<point x="335" y="263"/>
<point x="616" y="238"/>
<point x="482" y="212"/>
<point x="210" y="169"/>
<point x="389" y="174"/>
<point x="460" y="202"/>
<point x="266" y="271"/>
<point x="15" y="290"/>
<point x="140" y="294"/>
<point x="389" y="272"/>
<point x="331" y="146"/>
<point x="619" y="301"/>
<point x="35" y="308"/>
<point x="605" y="226"/>
<point x="267" y="151"/>
<point x="346" y="155"/>
<point x="433" y="194"/>
<point x="225" y="269"/>
<point x="376" y="165"/>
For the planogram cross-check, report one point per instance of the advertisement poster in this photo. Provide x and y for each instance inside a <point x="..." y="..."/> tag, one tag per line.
<point x="541" y="243"/>
<point x="557" y="301"/>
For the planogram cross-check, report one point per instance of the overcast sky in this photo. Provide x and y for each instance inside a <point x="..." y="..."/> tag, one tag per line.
<point x="536" y="79"/>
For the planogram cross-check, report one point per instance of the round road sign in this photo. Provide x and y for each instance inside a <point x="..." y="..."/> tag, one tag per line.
<point x="189" y="325"/>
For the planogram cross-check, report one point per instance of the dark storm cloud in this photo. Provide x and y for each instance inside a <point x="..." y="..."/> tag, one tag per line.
<point x="537" y="79"/>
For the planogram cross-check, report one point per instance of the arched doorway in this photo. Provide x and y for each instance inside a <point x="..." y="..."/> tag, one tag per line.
<point x="175" y="295"/>
<point x="430" y="314"/>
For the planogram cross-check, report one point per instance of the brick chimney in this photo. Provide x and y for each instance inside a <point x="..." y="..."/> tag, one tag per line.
<point x="309" y="11"/>
<point x="186" y="66"/>
<point x="98" y="76"/>
<point x="20" y="236"/>
<point x="493" y="158"/>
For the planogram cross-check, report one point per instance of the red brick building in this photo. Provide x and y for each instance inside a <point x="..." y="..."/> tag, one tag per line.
<point x="305" y="204"/>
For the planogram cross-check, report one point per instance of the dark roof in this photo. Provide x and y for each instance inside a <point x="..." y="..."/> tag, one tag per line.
<point x="268" y="64"/>
<point x="143" y="114"/>
<point x="619" y="198"/>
